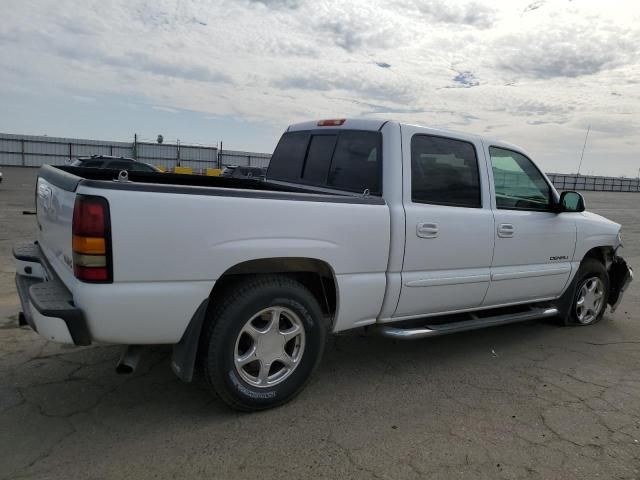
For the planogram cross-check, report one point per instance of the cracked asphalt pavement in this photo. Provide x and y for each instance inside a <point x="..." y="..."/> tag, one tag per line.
<point x="533" y="400"/>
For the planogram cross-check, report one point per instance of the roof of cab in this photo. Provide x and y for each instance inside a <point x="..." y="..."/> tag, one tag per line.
<point x="376" y="124"/>
<point x="349" y="124"/>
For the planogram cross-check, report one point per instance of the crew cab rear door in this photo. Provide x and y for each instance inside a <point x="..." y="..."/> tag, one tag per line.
<point x="533" y="245"/>
<point x="449" y="223"/>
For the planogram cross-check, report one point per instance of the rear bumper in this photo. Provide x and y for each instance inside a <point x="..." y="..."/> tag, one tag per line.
<point x="47" y="304"/>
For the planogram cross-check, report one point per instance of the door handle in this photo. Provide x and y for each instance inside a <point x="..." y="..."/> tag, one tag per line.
<point x="505" y="230"/>
<point x="427" y="230"/>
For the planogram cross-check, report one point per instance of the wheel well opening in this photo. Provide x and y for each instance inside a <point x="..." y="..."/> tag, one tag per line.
<point x="601" y="254"/>
<point x="316" y="275"/>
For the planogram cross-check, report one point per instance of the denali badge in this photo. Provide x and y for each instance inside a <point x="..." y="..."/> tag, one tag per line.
<point x="561" y="257"/>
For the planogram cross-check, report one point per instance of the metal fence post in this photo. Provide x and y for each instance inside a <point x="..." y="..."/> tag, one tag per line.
<point x="135" y="146"/>
<point x="22" y="151"/>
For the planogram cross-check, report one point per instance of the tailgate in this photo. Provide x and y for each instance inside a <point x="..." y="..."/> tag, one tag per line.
<point x="54" y="206"/>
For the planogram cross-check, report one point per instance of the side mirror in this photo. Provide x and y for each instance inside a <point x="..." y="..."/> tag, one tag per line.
<point x="571" y="202"/>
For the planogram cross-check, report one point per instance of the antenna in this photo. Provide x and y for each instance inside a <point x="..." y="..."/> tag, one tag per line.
<point x="583" y="147"/>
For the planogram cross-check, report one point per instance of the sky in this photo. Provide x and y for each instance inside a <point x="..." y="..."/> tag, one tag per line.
<point x="533" y="73"/>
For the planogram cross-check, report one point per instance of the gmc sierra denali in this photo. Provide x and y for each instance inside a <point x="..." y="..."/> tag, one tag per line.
<point x="409" y="231"/>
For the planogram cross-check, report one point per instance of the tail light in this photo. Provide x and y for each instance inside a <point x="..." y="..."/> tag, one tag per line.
<point x="92" y="240"/>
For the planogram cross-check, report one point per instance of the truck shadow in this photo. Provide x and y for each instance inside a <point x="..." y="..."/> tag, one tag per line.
<point x="84" y="381"/>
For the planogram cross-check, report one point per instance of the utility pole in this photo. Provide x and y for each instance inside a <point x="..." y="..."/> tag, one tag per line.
<point x="583" y="147"/>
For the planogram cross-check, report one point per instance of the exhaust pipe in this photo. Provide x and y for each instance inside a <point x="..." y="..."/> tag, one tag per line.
<point x="129" y="360"/>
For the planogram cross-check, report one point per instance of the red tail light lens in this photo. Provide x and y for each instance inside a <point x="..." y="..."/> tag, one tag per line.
<point x="89" y="215"/>
<point x="92" y="240"/>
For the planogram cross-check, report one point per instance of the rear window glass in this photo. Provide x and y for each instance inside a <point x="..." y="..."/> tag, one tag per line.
<point x="345" y="160"/>
<point x="318" y="159"/>
<point x="355" y="164"/>
<point x="286" y="162"/>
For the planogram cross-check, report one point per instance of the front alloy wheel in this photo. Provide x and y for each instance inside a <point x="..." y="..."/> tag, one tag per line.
<point x="590" y="300"/>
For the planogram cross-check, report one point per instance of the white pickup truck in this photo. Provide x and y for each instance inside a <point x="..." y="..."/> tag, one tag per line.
<point x="409" y="231"/>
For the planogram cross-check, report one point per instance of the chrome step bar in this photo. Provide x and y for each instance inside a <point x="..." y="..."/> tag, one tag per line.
<point x="433" y="330"/>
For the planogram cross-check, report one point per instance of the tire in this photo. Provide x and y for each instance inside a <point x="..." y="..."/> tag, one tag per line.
<point x="592" y="280"/>
<point x="243" y="322"/>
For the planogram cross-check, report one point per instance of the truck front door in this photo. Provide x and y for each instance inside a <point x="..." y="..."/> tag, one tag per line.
<point x="533" y="245"/>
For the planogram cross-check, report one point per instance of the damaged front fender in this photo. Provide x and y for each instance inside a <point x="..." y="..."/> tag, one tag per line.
<point x="620" y="276"/>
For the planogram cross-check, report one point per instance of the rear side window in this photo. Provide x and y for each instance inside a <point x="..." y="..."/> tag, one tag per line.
<point x="119" y="165"/>
<point x="346" y="160"/>
<point x="444" y="171"/>
<point x="88" y="163"/>
<point x="140" y="167"/>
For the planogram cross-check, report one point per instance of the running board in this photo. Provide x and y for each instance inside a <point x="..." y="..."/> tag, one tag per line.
<point x="463" y="325"/>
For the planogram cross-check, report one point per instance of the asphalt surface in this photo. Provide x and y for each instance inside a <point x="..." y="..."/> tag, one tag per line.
<point x="532" y="400"/>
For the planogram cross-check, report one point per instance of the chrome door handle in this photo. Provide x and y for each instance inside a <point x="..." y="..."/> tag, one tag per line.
<point x="427" y="230"/>
<point x="505" y="230"/>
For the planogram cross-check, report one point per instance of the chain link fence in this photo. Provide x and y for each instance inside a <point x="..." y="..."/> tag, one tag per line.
<point x="594" y="183"/>
<point x="35" y="151"/>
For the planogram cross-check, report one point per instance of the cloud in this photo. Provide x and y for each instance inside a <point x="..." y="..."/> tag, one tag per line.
<point x="515" y="69"/>
<point x="358" y="26"/>
<point x="279" y="3"/>
<point x="565" y="47"/>
<point x="465" y="79"/>
<point x="160" y="108"/>
<point x="472" y="13"/>
<point x="160" y="66"/>
<point x="534" y="6"/>
<point x="360" y="84"/>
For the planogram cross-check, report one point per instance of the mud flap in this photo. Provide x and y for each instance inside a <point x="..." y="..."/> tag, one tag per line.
<point x="183" y="359"/>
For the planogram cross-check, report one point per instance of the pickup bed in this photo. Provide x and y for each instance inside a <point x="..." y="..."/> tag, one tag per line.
<point x="406" y="230"/>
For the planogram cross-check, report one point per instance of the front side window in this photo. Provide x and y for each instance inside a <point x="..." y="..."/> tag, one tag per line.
<point x="444" y="171"/>
<point x="519" y="184"/>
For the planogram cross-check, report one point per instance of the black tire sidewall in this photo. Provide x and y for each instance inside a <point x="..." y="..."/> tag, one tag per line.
<point x="227" y="381"/>
<point x="589" y="268"/>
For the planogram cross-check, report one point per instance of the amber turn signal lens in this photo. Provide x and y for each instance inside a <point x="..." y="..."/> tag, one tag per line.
<point x="89" y="245"/>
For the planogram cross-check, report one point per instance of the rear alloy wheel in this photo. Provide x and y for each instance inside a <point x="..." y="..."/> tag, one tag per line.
<point x="269" y="347"/>
<point x="263" y="340"/>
